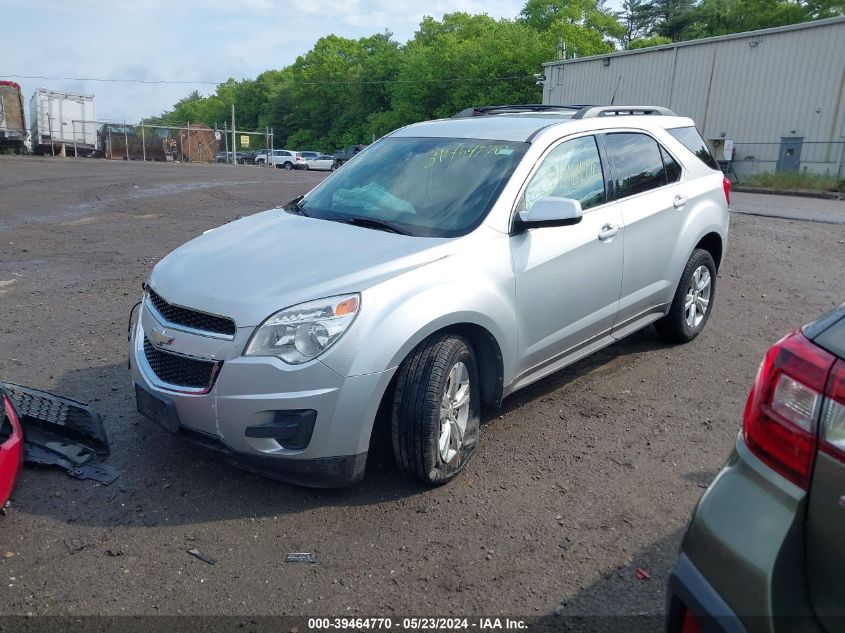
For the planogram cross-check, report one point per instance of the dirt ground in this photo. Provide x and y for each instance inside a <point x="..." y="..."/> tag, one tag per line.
<point x="579" y="480"/>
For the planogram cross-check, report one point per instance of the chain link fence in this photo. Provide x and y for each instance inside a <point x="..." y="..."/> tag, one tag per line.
<point x="191" y="142"/>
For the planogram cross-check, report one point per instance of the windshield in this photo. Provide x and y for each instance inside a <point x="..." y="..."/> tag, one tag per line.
<point x="438" y="187"/>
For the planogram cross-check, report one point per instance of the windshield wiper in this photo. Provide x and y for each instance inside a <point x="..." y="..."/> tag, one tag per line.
<point x="296" y="207"/>
<point x="372" y="223"/>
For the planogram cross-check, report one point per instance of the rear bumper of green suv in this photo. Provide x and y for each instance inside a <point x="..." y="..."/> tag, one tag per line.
<point x="742" y="566"/>
<point x="689" y="590"/>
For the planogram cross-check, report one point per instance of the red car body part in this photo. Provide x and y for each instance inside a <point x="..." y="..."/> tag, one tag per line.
<point x="11" y="450"/>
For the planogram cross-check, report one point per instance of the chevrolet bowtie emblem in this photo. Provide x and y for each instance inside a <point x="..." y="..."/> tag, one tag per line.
<point x="159" y="336"/>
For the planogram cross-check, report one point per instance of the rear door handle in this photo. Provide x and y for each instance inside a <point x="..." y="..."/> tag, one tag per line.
<point x="680" y="201"/>
<point x="608" y="231"/>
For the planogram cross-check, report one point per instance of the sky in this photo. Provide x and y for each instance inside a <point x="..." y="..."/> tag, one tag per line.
<point x="189" y="40"/>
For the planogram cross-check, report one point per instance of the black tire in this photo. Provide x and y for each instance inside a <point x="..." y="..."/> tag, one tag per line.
<point x="288" y="166"/>
<point x="415" y="418"/>
<point x="674" y="326"/>
<point x="334" y="166"/>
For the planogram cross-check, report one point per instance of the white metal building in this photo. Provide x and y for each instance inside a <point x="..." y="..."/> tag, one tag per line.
<point x="778" y="94"/>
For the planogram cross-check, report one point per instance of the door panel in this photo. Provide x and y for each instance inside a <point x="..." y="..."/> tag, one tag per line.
<point x="568" y="277"/>
<point x="567" y="285"/>
<point x="652" y="228"/>
<point x="648" y="185"/>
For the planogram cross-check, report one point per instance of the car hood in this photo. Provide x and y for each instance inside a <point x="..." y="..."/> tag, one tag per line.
<point x="255" y="266"/>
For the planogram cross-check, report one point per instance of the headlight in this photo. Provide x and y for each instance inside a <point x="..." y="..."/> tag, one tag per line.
<point x="302" y="332"/>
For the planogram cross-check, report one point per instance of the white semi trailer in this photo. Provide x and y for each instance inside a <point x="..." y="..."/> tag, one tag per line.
<point x="61" y="119"/>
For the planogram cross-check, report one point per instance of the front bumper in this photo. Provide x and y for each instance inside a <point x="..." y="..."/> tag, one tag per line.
<point x="250" y="392"/>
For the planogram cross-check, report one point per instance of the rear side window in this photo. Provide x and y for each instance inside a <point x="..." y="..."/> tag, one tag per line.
<point x="692" y="140"/>
<point x="637" y="163"/>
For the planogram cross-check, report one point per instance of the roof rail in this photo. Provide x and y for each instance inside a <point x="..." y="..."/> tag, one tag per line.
<point x="590" y="112"/>
<point x="517" y="108"/>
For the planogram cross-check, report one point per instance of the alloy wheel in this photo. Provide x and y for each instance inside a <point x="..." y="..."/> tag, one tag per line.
<point x="698" y="296"/>
<point x="454" y="412"/>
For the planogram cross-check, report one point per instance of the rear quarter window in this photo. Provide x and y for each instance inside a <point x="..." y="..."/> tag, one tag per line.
<point x="692" y="140"/>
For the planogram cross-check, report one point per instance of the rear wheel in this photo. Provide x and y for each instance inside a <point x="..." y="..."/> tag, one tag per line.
<point x="288" y="166"/>
<point x="436" y="410"/>
<point x="693" y="301"/>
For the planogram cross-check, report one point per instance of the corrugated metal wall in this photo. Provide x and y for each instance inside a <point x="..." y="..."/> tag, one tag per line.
<point x="754" y="88"/>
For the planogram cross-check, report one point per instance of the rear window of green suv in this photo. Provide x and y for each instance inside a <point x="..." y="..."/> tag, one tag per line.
<point x="692" y="140"/>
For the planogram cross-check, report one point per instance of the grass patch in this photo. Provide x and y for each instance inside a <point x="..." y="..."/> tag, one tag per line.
<point x="795" y="180"/>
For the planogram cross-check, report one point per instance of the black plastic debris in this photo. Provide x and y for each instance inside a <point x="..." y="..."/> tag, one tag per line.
<point x="63" y="432"/>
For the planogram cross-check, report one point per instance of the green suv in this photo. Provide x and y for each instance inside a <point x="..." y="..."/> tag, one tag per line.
<point x="765" y="550"/>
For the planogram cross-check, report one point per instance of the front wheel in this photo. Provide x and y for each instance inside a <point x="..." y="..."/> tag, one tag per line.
<point x="436" y="410"/>
<point x="693" y="301"/>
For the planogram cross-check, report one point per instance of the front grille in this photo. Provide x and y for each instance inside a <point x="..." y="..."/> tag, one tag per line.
<point x="191" y="318"/>
<point x="179" y="370"/>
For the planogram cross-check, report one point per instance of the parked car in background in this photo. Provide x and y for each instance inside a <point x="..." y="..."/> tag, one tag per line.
<point x="765" y="550"/>
<point x="298" y="160"/>
<point x="449" y="265"/>
<point x="343" y="155"/>
<point x="248" y="158"/>
<point x="309" y="154"/>
<point x="281" y="158"/>
<point x="322" y="162"/>
<point x="226" y="157"/>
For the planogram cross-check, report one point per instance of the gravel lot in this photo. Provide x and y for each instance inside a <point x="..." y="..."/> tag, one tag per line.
<point x="580" y="479"/>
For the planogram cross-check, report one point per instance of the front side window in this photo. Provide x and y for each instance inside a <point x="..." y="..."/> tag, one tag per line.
<point x="571" y="170"/>
<point x="437" y="187"/>
<point x="637" y="163"/>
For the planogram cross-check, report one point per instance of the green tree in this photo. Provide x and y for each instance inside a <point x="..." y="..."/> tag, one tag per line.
<point x="818" y="9"/>
<point x="465" y="60"/>
<point x="645" y="42"/>
<point x="721" y="17"/>
<point x="586" y="27"/>
<point x="635" y="19"/>
<point x="670" y="18"/>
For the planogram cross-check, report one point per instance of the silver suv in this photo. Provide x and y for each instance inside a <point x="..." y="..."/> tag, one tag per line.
<point x="451" y="263"/>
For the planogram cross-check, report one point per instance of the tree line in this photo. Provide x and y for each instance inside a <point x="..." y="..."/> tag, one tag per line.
<point x="345" y="91"/>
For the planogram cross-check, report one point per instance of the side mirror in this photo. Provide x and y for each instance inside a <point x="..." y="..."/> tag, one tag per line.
<point x="550" y="211"/>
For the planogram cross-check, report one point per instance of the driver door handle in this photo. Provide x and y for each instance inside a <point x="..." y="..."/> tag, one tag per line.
<point x="608" y="231"/>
